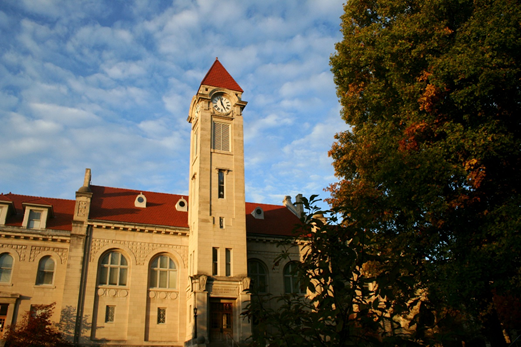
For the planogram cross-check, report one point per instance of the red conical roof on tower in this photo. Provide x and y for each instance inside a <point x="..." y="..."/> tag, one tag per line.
<point x="217" y="76"/>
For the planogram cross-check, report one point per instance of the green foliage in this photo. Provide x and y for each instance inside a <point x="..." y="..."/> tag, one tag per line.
<point x="353" y="298"/>
<point x="36" y="330"/>
<point x="432" y="161"/>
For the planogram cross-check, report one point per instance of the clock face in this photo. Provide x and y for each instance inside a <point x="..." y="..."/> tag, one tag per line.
<point x="221" y="104"/>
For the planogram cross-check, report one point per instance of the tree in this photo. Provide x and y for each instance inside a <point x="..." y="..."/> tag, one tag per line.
<point x="36" y="329"/>
<point x="431" y="163"/>
<point x="346" y="280"/>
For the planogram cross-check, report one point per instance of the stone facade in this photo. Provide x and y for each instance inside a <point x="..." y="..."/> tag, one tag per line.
<point x="132" y="268"/>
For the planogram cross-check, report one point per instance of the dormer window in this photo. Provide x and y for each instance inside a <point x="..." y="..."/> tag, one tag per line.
<point x="258" y="213"/>
<point x="141" y="201"/>
<point x="6" y="209"/>
<point x="181" y="205"/>
<point x="36" y="214"/>
<point x="35" y="218"/>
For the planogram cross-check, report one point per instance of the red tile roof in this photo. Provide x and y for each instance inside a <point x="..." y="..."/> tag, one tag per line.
<point x="61" y="219"/>
<point x="38" y="201"/>
<point x="278" y="220"/>
<point x="117" y="205"/>
<point x="217" y="76"/>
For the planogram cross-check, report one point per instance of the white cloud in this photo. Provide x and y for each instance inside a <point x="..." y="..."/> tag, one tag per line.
<point x="123" y="69"/>
<point x="66" y="116"/>
<point x="108" y="86"/>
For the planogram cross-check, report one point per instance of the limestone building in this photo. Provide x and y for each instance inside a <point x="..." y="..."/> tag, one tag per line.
<point x="127" y="267"/>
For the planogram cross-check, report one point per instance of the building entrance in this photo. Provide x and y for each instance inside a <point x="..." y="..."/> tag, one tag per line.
<point x="3" y="316"/>
<point x="221" y="320"/>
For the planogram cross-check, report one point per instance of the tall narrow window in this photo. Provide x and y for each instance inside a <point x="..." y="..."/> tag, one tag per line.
<point x="193" y="261"/>
<point x="228" y="262"/>
<point x="113" y="269"/>
<point x="190" y="265"/>
<point x="163" y="273"/>
<point x="291" y="282"/>
<point x="221" y="136"/>
<point x="45" y="271"/>
<point x="221" y="222"/>
<point x="110" y="312"/>
<point x="215" y="261"/>
<point x="195" y="145"/>
<point x="6" y="266"/>
<point x="258" y="273"/>
<point x="34" y="219"/>
<point x="221" y="184"/>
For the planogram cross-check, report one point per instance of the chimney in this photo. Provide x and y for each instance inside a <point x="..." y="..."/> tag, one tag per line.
<point x="299" y="206"/>
<point x="86" y="182"/>
<point x="289" y="205"/>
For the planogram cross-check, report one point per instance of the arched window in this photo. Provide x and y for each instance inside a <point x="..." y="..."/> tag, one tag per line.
<point x="113" y="269"/>
<point x="259" y="275"/>
<point x="6" y="266"/>
<point x="163" y="273"/>
<point x="45" y="271"/>
<point x="291" y="282"/>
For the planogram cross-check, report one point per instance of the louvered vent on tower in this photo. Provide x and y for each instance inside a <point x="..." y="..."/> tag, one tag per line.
<point x="221" y="136"/>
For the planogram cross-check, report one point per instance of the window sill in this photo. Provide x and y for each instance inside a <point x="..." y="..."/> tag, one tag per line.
<point x="222" y="152"/>
<point x="45" y="286"/>
<point x="112" y="286"/>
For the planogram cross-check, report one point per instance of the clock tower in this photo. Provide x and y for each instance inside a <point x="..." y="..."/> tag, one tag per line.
<point x="216" y="216"/>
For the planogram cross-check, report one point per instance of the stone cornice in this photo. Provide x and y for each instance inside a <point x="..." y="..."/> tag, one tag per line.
<point x="273" y="239"/>
<point x="144" y="228"/>
<point x="10" y="232"/>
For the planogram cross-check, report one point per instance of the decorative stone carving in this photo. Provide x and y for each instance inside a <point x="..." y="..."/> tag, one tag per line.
<point x="139" y="249"/>
<point x="19" y="249"/>
<point x="114" y="292"/>
<point x="202" y="282"/>
<point x="162" y="295"/>
<point x="246" y="283"/>
<point x="82" y="209"/>
<point x="35" y="250"/>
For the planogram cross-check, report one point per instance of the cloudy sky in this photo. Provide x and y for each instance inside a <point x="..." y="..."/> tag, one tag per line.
<point x="107" y="85"/>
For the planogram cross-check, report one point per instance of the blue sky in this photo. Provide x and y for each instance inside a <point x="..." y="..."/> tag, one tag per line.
<point x="107" y="85"/>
